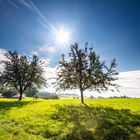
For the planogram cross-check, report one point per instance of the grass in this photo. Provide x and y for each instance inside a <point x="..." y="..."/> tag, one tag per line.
<point x="98" y="119"/>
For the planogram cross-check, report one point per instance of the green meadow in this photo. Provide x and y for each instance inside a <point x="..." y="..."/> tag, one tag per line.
<point x="98" y="119"/>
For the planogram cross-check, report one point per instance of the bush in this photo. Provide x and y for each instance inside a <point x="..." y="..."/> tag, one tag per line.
<point x="35" y="97"/>
<point x="31" y="92"/>
<point x="9" y="94"/>
<point x="54" y="96"/>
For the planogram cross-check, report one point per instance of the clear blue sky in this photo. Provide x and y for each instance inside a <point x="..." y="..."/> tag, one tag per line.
<point x="112" y="26"/>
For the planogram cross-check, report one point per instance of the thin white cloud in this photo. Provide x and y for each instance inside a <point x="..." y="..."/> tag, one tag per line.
<point x="129" y="82"/>
<point x="34" y="53"/>
<point x="31" y="5"/>
<point x="26" y="3"/>
<point x="12" y="3"/>
<point x="130" y="79"/>
<point x="43" y="24"/>
<point x="47" y="23"/>
<point x="2" y="58"/>
<point x="46" y="61"/>
<point x="47" y="48"/>
<point x="50" y="75"/>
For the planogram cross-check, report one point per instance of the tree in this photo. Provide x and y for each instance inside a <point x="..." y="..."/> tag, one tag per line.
<point x="22" y="73"/>
<point x="85" y="71"/>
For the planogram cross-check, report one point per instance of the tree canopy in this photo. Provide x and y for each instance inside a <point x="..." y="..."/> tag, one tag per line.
<point x="84" y="70"/>
<point x="22" y="73"/>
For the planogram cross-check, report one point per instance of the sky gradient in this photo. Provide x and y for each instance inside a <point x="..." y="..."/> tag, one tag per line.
<point x="111" y="26"/>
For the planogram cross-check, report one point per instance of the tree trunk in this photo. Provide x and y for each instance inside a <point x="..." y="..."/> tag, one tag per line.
<point x="20" y="97"/>
<point x="82" y="96"/>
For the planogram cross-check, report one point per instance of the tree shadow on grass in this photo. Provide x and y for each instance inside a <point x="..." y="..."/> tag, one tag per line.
<point x="97" y="123"/>
<point x="7" y="105"/>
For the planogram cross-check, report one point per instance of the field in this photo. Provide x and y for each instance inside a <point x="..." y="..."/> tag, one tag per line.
<point x="98" y="119"/>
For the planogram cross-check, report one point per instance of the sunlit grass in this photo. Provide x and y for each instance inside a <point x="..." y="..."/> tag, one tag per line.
<point x="66" y="119"/>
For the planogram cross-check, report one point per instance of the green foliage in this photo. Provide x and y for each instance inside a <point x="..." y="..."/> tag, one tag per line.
<point x="22" y="73"/>
<point x="85" y="71"/>
<point x="100" y="119"/>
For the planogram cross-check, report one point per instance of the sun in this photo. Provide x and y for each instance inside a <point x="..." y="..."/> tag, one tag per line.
<point x="63" y="36"/>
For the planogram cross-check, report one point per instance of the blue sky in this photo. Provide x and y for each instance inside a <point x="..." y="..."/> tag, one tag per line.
<point x="112" y="26"/>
